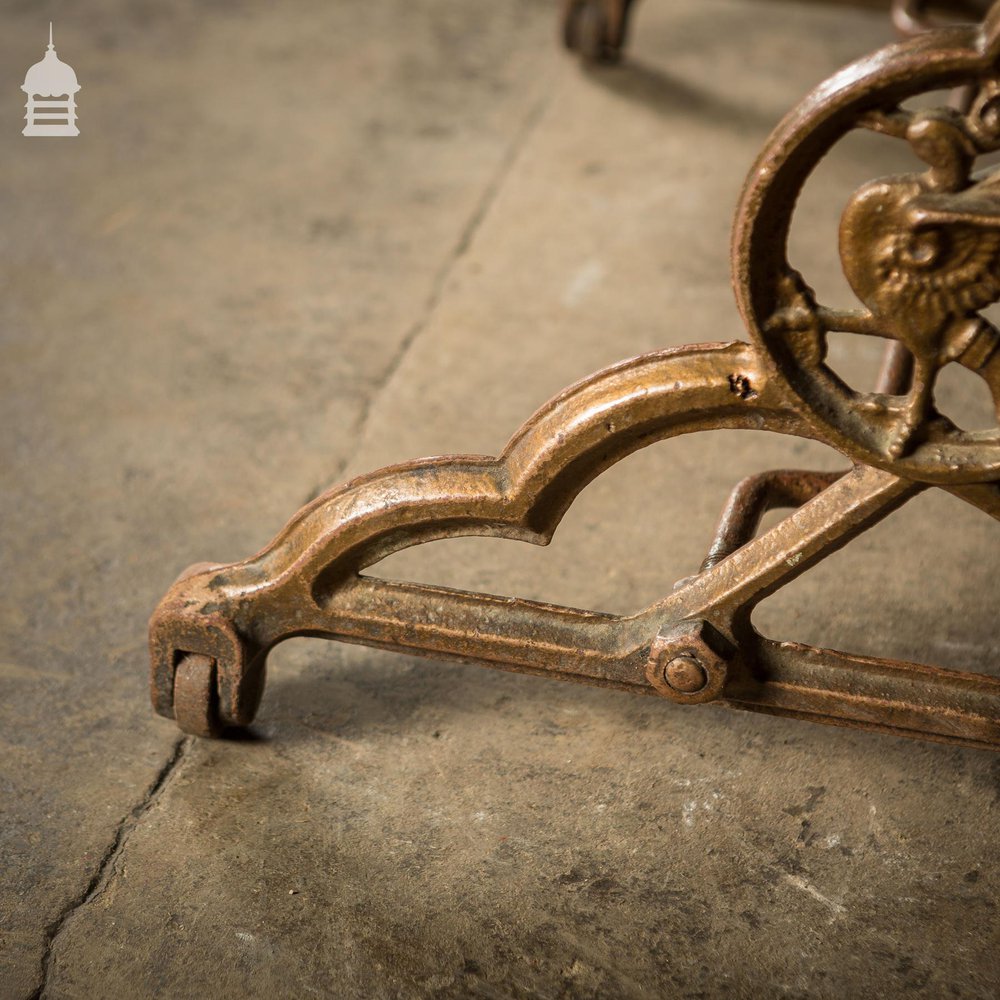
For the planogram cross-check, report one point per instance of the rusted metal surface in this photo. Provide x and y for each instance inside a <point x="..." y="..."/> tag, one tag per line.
<point x="688" y="662"/>
<point x="195" y="695"/>
<point x="922" y="253"/>
<point x="596" y="29"/>
<point x="753" y="497"/>
<point x="896" y="373"/>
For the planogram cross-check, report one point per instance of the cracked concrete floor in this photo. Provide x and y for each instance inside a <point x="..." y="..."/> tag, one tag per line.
<point x="292" y="244"/>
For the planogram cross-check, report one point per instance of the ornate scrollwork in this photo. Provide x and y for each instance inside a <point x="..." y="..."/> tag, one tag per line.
<point x="921" y="251"/>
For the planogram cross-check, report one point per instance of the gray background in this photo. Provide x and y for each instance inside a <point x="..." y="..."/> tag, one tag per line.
<point x="295" y="242"/>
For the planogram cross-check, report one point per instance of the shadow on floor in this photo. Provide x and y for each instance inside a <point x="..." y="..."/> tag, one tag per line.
<point x="668" y="95"/>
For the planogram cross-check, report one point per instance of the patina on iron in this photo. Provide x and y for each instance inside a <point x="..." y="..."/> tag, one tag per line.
<point x="920" y="251"/>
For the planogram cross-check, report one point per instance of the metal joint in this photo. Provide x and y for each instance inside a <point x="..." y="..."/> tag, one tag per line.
<point x="687" y="663"/>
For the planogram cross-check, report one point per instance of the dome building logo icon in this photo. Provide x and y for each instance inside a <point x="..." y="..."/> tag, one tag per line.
<point x="51" y="86"/>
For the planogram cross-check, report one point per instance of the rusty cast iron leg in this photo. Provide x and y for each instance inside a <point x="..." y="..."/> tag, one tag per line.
<point x="921" y="252"/>
<point x="307" y="582"/>
<point x="596" y="29"/>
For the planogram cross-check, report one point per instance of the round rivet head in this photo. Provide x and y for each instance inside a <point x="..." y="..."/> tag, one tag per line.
<point x="687" y="662"/>
<point x="686" y="674"/>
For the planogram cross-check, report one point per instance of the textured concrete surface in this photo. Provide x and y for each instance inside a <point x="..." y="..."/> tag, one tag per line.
<point x="301" y="243"/>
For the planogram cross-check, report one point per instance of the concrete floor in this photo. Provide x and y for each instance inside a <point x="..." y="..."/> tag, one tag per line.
<point x="294" y="243"/>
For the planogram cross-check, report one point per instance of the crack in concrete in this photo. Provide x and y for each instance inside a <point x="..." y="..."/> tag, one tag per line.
<point x="107" y="866"/>
<point x="465" y="238"/>
<point x="440" y="283"/>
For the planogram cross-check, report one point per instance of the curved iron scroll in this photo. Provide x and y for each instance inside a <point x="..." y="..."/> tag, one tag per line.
<point x="307" y="581"/>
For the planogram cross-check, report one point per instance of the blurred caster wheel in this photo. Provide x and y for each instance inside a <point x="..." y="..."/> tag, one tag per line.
<point x="587" y="31"/>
